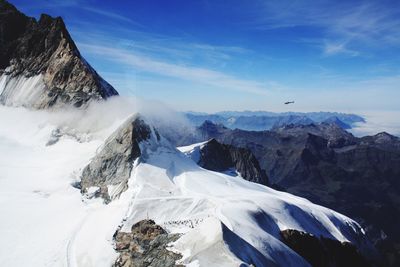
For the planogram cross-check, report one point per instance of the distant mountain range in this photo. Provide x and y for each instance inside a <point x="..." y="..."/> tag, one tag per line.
<point x="264" y="120"/>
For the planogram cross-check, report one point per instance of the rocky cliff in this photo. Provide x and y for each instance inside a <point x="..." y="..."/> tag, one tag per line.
<point x="146" y="245"/>
<point x="40" y="65"/>
<point x="219" y="157"/>
<point x="322" y="252"/>
<point x="113" y="164"/>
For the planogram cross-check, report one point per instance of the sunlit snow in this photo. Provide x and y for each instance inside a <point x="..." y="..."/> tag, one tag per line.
<point x="224" y="220"/>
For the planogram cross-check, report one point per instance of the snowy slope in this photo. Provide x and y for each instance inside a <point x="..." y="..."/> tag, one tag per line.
<point x="40" y="211"/>
<point x="193" y="151"/>
<point x="20" y="90"/>
<point x="170" y="187"/>
<point x="224" y="220"/>
<point x="39" y="208"/>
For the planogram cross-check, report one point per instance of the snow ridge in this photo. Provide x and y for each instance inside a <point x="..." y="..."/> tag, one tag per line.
<point x="223" y="220"/>
<point x="171" y="189"/>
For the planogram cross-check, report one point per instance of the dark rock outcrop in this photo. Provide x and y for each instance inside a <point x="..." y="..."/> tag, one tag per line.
<point x="208" y="129"/>
<point x="220" y="157"/>
<point x="30" y="48"/>
<point x="145" y="245"/>
<point x="323" y="252"/>
<point x="114" y="163"/>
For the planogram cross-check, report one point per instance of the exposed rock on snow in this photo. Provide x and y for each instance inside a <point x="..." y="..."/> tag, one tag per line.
<point x="329" y="166"/>
<point x="112" y="166"/>
<point x="222" y="220"/>
<point x="59" y="133"/>
<point x="237" y="219"/>
<point x="321" y="252"/>
<point x="40" y="65"/>
<point x="146" y="245"/>
<point x="215" y="156"/>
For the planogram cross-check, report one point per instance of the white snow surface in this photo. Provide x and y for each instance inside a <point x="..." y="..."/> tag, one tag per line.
<point x="224" y="220"/>
<point x="20" y="90"/>
<point x="193" y="151"/>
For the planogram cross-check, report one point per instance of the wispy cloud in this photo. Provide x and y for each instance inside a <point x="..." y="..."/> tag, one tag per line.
<point x="109" y="14"/>
<point x="157" y="45"/>
<point x="166" y="55"/>
<point x="81" y="5"/>
<point x="343" y="24"/>
<point x="333" y="48"/>
<point x="184" y="72"/>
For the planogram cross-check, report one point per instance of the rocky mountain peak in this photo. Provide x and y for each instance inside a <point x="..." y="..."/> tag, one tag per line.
<point x="114" y="162"/>
<point x="7" y="9"/>
<point x="336" y="121"/>
<point x="336" y="135"/>
<point x="385" y="137"/>
<point x="211" y="125"/>
<point x="215" y="156"/>
<point x="209" y="129"/>
<point x="42" y="59"/>
<point x="48" y="21"/>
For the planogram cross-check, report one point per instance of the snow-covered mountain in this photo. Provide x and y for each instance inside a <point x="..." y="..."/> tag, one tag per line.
<point x="101" y="186"/>
<point x="329" y="166"/>
<point x="221" y="220"/>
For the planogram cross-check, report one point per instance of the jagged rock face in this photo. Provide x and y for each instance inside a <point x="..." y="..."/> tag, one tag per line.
<point x="41" y="66"/>
<point x="383" y="141"/>
<point x="358" y="177"/>
<point x="210" y="129"/>
<point x="219" y="157"/>
<point x="114" y="163"/>
<point x="292" y="119"/>
<point x="145" y="245"/>
<point x="336" y="135"/>
<point x="338" y="122"/>
<point x="322" y="252"/>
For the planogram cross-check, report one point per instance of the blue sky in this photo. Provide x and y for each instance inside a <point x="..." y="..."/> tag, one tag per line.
<point x="236" y="55"/>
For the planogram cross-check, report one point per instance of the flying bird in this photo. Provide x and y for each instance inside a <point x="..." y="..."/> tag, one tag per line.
<point x="289" y="102"/>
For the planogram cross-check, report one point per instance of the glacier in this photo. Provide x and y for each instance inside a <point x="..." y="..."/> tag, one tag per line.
<point x="223" y="220"/>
